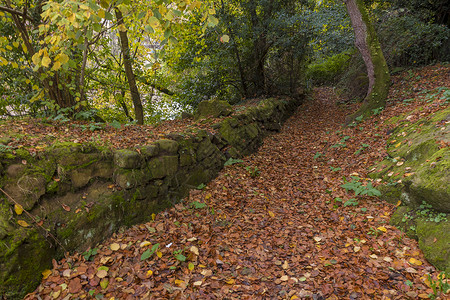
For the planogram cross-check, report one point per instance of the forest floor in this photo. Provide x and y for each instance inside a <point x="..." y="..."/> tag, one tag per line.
<point x="271" y="227"/>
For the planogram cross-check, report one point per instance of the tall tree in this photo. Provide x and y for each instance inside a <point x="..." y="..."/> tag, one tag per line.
<point x="367" y="43"/>
<point x="125" y="48"/>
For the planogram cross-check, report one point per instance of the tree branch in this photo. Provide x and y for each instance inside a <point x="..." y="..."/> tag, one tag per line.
<point x="15" y="12"/>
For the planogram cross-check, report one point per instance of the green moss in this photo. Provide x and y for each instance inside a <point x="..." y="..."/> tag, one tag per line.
<point x="434" y="241"/>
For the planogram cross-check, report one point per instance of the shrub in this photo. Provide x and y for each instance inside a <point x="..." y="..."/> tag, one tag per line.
<point x="328" y="71"/>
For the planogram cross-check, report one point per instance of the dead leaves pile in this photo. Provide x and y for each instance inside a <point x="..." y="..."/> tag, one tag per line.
<point x="277" y="235"/>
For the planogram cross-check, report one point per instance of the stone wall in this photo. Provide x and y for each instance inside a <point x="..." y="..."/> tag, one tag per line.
<point x="81" y="194"/>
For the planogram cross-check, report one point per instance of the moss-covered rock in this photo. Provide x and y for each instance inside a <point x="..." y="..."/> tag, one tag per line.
<point x="434" y="240"/>
<point x="127" y="159"/>
<point x="418" y="174"/>
<point x="167" y="146"/>
<point x="213" y="108"/>
<point x="163" y="166"/>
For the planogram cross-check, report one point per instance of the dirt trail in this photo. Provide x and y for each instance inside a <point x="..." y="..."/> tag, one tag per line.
<point x="267" y="228"/>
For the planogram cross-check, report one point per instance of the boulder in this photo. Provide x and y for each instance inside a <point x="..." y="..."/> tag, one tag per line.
<point x="213" y="108"/>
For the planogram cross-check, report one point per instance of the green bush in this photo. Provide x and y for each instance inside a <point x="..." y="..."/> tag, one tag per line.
<point x="328" y="71"/>
<point x="408" y="41"/>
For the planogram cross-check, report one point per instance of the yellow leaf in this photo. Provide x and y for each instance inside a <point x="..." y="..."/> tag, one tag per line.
<point x="114" y="247"/>
<point x="414" y="261"/>
<point x="36" y="58"/>
<point x="56" y="66"/>
<point x="35" y="87"/>
<point x="46" y="273"/>
<point x="46" y="61"/>
<point x="16" y="44"/>
<point x="23" y="223"/>
<point x="8" y="47"/>
<point x="382" y="228"/>
<point x="231" y="281"/>
<point x="179" y="282"/>
<point x="101" y="14"/>
<point x="398" y="145"/>
<point x="14" y="65"/>
<point x="62" y="58"/>
<point x="153" y="217"/>
<point x="159" y="254"/>
<point x="207" y="196"/>
<point x="149" y="273"/>
<point x="399" y="203"/>
<point x="271" y="214"/>
<point x="294" y="297"/>
<point x="145" y="243"/>
<point x="122" y="27"/>
<point x="27" y="81"/>
<point x="18" y="209"/>
<point x="191" y="266"/>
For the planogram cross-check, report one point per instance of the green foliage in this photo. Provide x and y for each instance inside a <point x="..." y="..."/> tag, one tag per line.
<point x="198" y="205"/>
<point x="317" y="155"/>
<point x="89" y="254"/>
<point x="232" y="161"/>
<point x="327" y="71"/>
<point x="359" y="188"/>
<point x="253" y="171"/>
<point x="149" y="252"/>
<point x="408" y="41"/>
<point x="440" y="286"/>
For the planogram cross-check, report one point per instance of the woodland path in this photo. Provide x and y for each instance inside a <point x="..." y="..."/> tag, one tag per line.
<point x="278" y="234"/>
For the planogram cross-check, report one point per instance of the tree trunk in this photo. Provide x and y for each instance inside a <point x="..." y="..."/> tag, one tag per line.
<point x="135" y="96"/>
<point x="367" y="43"/>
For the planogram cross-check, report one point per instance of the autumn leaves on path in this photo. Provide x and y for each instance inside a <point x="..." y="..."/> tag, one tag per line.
<point x="276" y="226"/>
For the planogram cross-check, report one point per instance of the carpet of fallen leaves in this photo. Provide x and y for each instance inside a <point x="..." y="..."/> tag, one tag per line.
<point x="269" y="227"/>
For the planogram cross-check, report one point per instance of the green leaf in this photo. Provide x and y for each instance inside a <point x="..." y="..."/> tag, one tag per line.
<point x="180" y="257"/>
<point x="149" y="252"/>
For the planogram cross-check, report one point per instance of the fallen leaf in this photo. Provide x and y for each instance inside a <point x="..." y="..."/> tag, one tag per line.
<point x="114" y="247"/>
<point x="414" y="261"/>
<point x="65" y="207"/>
<point x="284" y="278"/>
<point x="271" y="214"/>
<point x="145" y="243"/>
<point x="18" y="209"/>
<point x="382" y="228"/>
<point x="194" y="250"/>
<point x="23" y="223"/>
<point x="46" y="273"/>
<point x="231" y="281"/>
<point x="102" y="273"/>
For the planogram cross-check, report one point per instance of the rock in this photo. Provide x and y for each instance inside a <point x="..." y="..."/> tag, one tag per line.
<point x="127" y="159"/>
<point x="167" y="146"/>
<point x="434" y="240"/>
<point x="213" y="108"/>
<point x="149" y="151"/>
<point x="27" y="189"/>
<point x="163" y="166"/>
<point x="81" y="177"/>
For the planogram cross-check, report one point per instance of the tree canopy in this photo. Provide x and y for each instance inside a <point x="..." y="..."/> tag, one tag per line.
<point x="120" y="60"/>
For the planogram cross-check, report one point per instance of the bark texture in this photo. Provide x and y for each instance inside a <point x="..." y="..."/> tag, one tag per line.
<point x="368" y="45"/>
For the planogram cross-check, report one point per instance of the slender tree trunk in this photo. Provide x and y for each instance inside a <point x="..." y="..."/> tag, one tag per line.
<point x="367" y="43"/>
<point x="124" y="46"/>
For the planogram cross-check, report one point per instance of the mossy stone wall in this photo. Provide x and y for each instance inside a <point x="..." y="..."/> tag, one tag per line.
<point x="83" y="193"/>
<point x="417" y="173"/>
